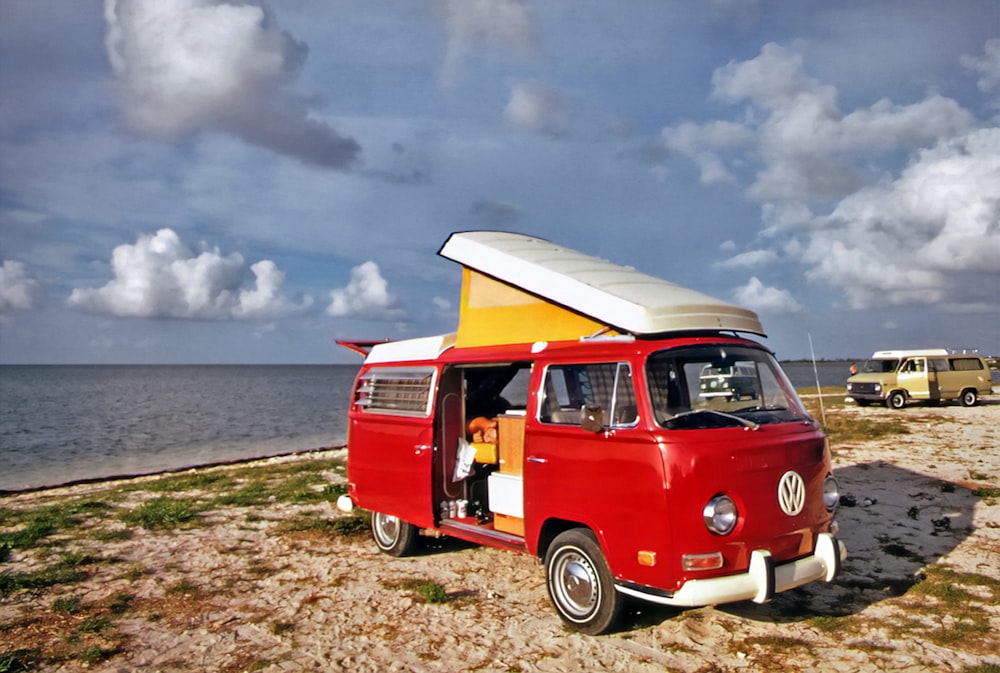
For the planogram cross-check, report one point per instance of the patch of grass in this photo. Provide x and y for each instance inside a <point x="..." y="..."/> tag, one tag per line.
<point x="843" y="428"/>
<point x="183" y="587"/>
<point x="43" y="522"/>
<point x="11" y="582"/>
<point x="65" y="571"/>
<point x="348" y="526"/>
<point x="4" y="553"/>
<point x="94" y="655"/>
<point x="426" y="590"/>
<point x="66" y="606"/>
<point x="982" y="668"/>
<point x="161" y="513"/>
<point x="95" y="624"/>
<point x="113" y="535"/>
<point x="119" y="603"/>
<point x="831" y="624"/>
<point x="16" y="661"/>
<point x="986" y="492"/>
<point x="196" y="481"/>
<point x="254" y="493"/>
<point x="27" y="537"/>
<point x="784" y="643"/>
<point x="301" y="488"/>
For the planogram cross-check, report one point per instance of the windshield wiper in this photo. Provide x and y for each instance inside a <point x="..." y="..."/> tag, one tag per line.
<point x="742" y="421"/>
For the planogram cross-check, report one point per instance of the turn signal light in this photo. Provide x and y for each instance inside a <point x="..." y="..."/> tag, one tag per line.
<point x="702" y="561"/>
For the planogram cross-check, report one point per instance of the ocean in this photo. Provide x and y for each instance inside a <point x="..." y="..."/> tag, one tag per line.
<point x="67" y="423"/>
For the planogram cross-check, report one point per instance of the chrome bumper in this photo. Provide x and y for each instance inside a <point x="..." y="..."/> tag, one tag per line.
<point x="762" y="580"/>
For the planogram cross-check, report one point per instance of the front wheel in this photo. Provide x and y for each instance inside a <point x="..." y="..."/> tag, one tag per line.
<point x="580" y="584"/>
<point x="896" y="400"/>
<point x="394" y="536"/>
<point x="969" y="398"/>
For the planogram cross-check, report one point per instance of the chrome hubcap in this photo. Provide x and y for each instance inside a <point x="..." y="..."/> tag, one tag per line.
<point x="576" y="584"/>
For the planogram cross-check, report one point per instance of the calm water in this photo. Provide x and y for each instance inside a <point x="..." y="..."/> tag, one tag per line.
<point x="63" y="423"/>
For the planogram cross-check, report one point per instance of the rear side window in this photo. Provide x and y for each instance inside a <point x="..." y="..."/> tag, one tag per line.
<point x="396" y="390"/>
<point x="606" y="385"/>
<point x="966" y="364"/>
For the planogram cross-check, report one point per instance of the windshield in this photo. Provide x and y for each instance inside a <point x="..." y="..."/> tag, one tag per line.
<point x="720" y="386"/>
<point x="879" y="366"/>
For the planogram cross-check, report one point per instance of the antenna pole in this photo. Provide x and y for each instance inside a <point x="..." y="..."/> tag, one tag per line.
<point x="819" y="391"/>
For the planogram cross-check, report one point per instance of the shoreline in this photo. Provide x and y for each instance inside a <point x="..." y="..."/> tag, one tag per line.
<point x="161" y="472"/>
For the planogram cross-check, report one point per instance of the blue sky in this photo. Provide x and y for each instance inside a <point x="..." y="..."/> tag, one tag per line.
<point x="186" y="181"/>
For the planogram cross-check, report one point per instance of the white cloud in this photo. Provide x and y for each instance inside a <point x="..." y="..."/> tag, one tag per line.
<point x="801" y="143"/>
<point x="537" y="108"/>
<point x="924" y="235"/>
<point x="761" y="298"/>
<point x="477" y="23"/>
<point x="367" y="295"/>
<point x="190" y="65"/>
<point x="160" y="277"/>
<point x="988" y="68"/>
<point x="17" y="288"/>
<point x="913" y="239"/>
<point x="749" y="259"/>
<point x="702" y="142"/>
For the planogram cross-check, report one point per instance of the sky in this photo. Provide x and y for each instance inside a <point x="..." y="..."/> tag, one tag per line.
<point x="192" y="181"/>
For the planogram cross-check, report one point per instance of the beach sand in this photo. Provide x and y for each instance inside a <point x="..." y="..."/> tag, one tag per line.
<point x="238" y="589"/>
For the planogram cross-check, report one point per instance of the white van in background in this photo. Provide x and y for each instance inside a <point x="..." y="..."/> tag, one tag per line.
<point x="896" y="377"/>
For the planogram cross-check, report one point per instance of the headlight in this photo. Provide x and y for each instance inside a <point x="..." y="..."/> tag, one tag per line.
<point x="721" y="515"/>
<point x="831" y="493"/>
<point x="878" y="387"/>
<point x="850" y="386"/>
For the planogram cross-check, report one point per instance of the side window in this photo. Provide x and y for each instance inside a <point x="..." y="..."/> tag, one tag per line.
<point x="570" y="388"/>
<point x="911" y="366"/>
<point x="966" y="364"/>
<point x="396" y="390"/>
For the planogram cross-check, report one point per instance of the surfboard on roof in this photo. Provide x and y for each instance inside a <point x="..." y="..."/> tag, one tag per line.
<point x="518" y="288"/>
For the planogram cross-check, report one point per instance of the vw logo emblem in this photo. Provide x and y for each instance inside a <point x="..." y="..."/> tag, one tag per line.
<point x="791" y="493"/>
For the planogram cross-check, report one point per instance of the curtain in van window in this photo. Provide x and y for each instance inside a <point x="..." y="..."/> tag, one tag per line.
<point x="606" y="385"/>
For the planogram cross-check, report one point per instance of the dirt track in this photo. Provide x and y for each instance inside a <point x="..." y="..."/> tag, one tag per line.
<point x="238" y="589"/>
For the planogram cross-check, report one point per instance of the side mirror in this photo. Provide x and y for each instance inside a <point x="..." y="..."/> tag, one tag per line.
<point x="592" y="419"/>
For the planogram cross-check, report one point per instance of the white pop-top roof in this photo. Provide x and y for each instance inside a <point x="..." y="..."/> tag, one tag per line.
<point x="620" y="297"/>
<point x="882" y="355"/>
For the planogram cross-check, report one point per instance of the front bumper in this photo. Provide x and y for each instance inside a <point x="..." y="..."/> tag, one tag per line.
<point x="762" y="580"/>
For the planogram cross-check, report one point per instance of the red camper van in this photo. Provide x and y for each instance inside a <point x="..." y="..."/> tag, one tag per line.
<point x="567" y="418"/>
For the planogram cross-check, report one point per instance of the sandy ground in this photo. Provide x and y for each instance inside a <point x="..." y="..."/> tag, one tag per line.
<point x="920" y="591"/>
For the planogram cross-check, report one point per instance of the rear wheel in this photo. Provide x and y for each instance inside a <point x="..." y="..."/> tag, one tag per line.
<point x="969" y="398"/>
<point x="580" y="583"/>
<point x="896" y="399"/>
<point x="394" y="536"/>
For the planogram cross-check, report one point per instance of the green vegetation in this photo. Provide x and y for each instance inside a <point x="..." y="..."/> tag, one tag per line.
<point x="16" y="661"/>
<point x="840" y="428"/>
<point x="161" y="513"/>
<point x="427" y="591"/>
<point x="65" y="571"/>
